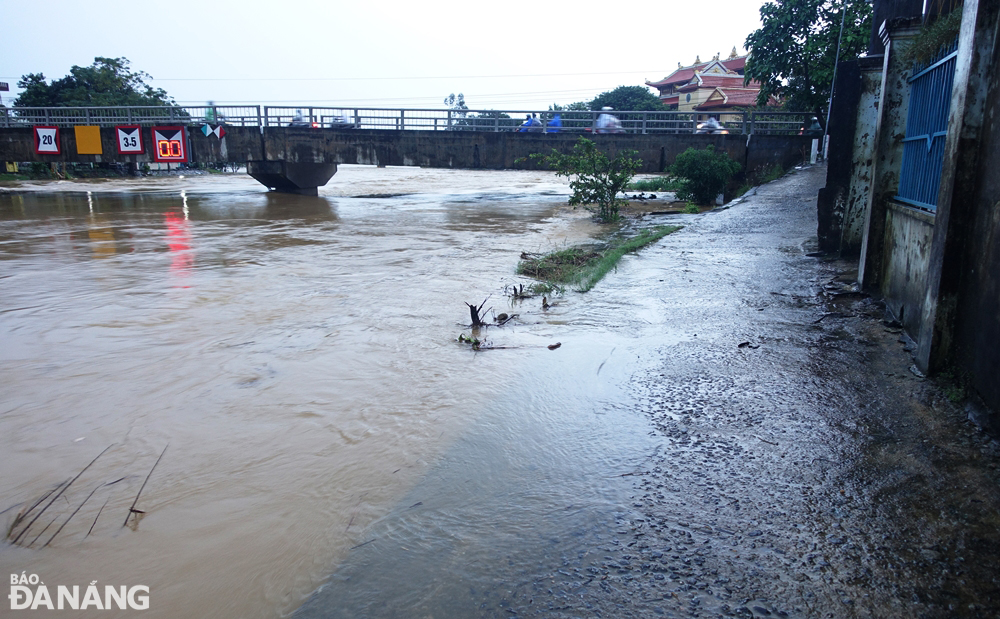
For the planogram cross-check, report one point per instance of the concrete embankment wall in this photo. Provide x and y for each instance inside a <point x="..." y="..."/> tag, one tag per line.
<point x="977" y="313"/>
<point x="937" y="268"/>
<point x="853" y="119"/>
<point x="436" y="149"/>
<point x="909" y="234"/>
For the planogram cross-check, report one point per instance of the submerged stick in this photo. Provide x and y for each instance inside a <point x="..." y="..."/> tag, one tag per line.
<point x="13" y="506"/>
<point x="43" y="531"/>
<point x="71" y="515"/>
<point x="22" y="515"/>
<point x="96" y="517"/>
<point x="66" y="487"/>
<point x="131" y="509"/>
<point x="474" y="313"/>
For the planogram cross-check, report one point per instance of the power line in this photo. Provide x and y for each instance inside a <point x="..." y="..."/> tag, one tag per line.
<point x="360" y="79"/>
<point x="503" y="95"/>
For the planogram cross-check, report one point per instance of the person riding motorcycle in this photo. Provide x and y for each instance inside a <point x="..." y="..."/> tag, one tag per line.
<point x="711" y="126"/>
<point x="530" y="124"/>
<point x="299" y="120"/>
<point x="608" y="123"/>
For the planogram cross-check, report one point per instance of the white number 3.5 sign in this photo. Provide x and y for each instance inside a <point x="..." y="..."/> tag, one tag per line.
<point x="129" y="139"/>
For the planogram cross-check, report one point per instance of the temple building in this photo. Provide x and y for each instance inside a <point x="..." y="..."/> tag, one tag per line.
<point x="715" y="86"/>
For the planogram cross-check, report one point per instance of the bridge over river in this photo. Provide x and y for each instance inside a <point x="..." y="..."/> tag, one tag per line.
<point x="297" y="149"/>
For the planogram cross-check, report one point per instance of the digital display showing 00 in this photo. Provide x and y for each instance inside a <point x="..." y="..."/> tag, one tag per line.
<point x="169" y="145"/>
<point x="169" y="149"/>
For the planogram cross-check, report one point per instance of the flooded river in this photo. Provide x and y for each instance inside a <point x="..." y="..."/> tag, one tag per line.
<point x="297" y="359"/>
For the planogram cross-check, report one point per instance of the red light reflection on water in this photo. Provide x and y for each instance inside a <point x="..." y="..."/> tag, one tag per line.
<point x="179" y="243"/>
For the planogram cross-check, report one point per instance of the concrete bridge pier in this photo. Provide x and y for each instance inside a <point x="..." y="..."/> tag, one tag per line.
<point x="287" y="177"/>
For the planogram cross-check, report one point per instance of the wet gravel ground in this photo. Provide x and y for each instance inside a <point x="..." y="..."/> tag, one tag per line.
<point x="802" y="469"/>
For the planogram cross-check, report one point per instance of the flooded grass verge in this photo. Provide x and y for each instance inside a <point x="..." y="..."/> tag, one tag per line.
<point x="582" y="266"/>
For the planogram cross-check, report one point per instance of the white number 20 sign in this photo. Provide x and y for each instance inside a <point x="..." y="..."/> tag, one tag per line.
<point x="46" y="140"/>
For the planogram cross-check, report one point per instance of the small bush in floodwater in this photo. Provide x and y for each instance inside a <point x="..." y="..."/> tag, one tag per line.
<point x="704" y="174"/>
<point x="596" y="180"/>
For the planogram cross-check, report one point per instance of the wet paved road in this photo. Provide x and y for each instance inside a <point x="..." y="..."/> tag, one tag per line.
<point x="800" y="469"/>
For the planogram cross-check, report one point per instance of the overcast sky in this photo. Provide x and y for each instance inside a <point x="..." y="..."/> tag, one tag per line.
<point x="380" y="53"/>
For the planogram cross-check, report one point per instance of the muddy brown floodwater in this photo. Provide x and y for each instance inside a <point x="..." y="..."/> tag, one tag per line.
<point x="727" y="429"/>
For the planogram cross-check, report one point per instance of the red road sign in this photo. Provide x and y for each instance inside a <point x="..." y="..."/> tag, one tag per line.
<point x="129" y="139"/>
<point x="170" y="145"/>
<point x="46" y="140"/>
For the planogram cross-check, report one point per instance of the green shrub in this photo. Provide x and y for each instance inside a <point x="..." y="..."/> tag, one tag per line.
<point x="933" y="37"/>
<point x="773" y="174"/>
<point x="596" y="180"/>
<point x="704" y="174"/>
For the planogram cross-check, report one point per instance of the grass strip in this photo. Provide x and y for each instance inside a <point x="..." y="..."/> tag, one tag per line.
<point x="584" y="266"/>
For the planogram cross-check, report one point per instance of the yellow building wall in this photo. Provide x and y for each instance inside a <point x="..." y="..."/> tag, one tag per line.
<point x="697" y="98"/>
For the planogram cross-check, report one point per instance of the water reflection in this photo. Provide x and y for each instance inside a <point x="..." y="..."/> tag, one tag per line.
<point x="290" y="206"/>
<point x="102" y="236"/>
<point x="179" y="243"/>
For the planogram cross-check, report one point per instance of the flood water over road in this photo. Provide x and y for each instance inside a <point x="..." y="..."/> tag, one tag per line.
<point x="700" y="444"/>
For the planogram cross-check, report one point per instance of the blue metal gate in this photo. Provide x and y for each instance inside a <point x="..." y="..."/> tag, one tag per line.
<point x="926" y="128"/>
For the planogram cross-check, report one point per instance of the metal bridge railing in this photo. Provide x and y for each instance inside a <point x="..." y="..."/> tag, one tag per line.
<point x="643" y="122"/>
<point x="247" y="115"/>
<point x="573" y="121"/>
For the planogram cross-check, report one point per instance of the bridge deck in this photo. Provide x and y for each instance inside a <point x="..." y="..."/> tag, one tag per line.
<point x="439" y="149"/>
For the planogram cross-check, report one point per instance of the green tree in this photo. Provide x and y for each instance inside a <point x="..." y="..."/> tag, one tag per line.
<point x="704" y="174"/>
<point x="109" y="81"/>
<point x="579" y="106"/>
<point x="456" y="103"/>
<point x="793" y="53"/>
<point x="596" y="180"/>
<point x="483" y="120"/>
<point x="637" y="98"/>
